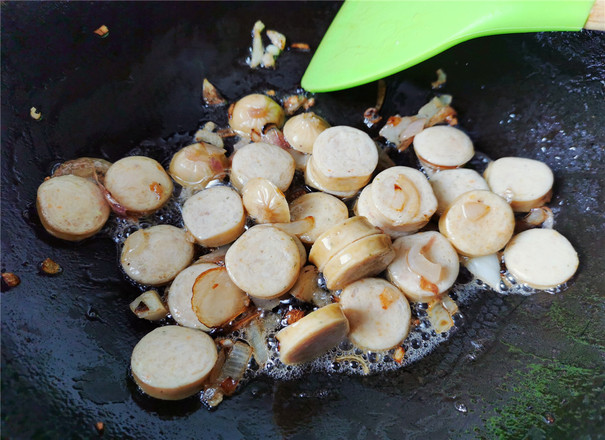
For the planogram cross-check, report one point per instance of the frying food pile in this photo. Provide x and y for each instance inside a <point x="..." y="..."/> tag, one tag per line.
<point x="305" y="244"/>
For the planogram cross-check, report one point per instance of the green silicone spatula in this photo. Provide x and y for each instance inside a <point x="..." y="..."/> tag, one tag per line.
<point x="371" y="39"/>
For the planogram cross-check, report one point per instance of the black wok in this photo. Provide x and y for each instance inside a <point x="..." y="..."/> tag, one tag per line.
<point x="517" y="367"/>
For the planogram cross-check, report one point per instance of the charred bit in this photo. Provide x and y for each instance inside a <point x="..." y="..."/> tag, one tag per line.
<point x="10" y="280"/>
<point x="50" y="267"/>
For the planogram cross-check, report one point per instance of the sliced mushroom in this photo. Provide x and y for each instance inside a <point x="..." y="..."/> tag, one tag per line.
<point x="262" y="160"/>
<point x="365" y="257"/>
<point x="91" y="168"/>
<point x="253" y="112"/>
<point x="399" y="201"/>
<point x="378" y="314"/>
<point x="215" y="216"/>
<point x="425" y="265"/>
<point x="302" y="130"/>
<point x="313" y="335"/>
<point x="478" y="223"/>
<point x="216" y="299"/>
<point x="172" y="362"/>
<point x="139" y="184"/>
<point x="344" y="157"/>
<point x="198" y="164"/>
<point x="264" y="262"/>
<point x="541" y="258"/>
<point x="265" y="202"/>
<point x="449" y="184"/>
<point x="180" y="293"/>
<point x="155" y="255"/>
<point x="312" y="181"/>
<point x="302" y="251"/>
<point x="443" y="147"/>
<point x="326" y="210"/>
<point x="297" y="227"/>
<point x="217" y="256"/>
<point x="338" y="237"/>
<point x="364" y="207"/>
<point x="524" y="183"/>
<point x="71" y="207"/>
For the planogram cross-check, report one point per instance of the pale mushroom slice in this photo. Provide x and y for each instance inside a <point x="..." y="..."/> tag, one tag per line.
<point x="301" y="131"/>
<point x="214" y="216"/>
<point x="172" y="362"/>
<point x="524" y="183"/>
<point x="378" y="314"/>
<point x="404" y="197"/>
<point x="478" y="223"/>
<point x="216" y="256"/>
<point x="253" y="112"/>
<point x="296" y="227"/>
<point x="541" y="258"/>
<point x="264" y="201"/>
<point x="291" y="230"/>
<point x="139" y="184"/>
<point x="180" y="293"/>
<point x="71" y="207"/>
<point x="262" y="160"/>
<point x="364" y="207"/>
<point x="365" y="257"/>
<point x="216" y="299"/>
<point x="197" y="164"/>
<point x="92" y="168"/>
<point x="326" y="210"/>
<point x="425" y="266"/>
<point x="302" y="251"/>
<point x="264" y="262"/>
<point x="155" y="255"/>
<point x="443" y="147"/>
<point x="449" y="184"/>
<point x="337" y="237"/>
<point x="344" y="155"/>
<point x="335" y="184"/>
<point x="310" y="180"/>
<point x="312" y="335"/>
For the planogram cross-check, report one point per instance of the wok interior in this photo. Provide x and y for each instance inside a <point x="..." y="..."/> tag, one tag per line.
<point x="66" y="340"/>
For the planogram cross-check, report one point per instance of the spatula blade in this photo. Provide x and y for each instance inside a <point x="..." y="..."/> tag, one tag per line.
<point x="369" y="40"/>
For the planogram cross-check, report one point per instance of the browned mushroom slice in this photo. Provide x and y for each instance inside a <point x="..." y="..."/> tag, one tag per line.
<point x="172" y="362"/>
<point x="524" y="183"/>
<point x="313" y="335"/>
<point x="262" y="160"/>
<point x="264" y="262"/>
<point x="139" y="184"/>
<point x="71" y="207"/>
<point x="378" y="313"/>
<point x="216" y="299"/>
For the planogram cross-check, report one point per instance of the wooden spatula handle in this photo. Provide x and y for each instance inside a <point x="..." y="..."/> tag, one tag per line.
<point x="596" y="19"/>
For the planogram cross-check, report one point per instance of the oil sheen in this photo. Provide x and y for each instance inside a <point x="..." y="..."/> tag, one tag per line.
<point x="344" y="358"/>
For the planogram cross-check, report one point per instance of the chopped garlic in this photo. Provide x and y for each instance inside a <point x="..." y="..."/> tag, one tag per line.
<point x="35" y="114"/>
<point x="441" y="79"/>
<point x="206" y="134"/>
<point x="261" y="56"/>
<point x="257" y="44"/>
<point x="211" y="95"/>
<point x="277" y="39"/>
<point x="102" y="31"/>
<point x="149" y="306"/>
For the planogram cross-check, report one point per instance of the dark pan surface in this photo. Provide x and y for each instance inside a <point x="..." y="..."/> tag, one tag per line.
<point x="518" y="367"/>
